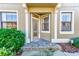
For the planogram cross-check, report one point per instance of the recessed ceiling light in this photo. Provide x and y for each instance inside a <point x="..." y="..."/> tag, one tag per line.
<point x="24" y="5"/>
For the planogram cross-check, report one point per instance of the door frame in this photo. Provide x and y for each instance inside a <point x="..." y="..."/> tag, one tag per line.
<point x="39" y="26"/>
<point x="32" y="27"/>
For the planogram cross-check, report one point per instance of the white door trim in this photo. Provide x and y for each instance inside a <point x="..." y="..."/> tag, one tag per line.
<point x="39" y="27"/>
<point x="55" y="24"/>
<point x="31" y="29"/>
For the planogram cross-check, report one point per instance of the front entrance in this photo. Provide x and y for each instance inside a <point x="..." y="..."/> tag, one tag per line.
<point x="40" y="26"/>
<point x="41" y="21"/>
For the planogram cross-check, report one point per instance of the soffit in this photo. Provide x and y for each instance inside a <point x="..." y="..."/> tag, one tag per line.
<point x="41" y="4"/>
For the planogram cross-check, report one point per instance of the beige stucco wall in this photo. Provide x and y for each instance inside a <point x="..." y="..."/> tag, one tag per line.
<point x="21" y="13"/>
<point x="75" y="8"/>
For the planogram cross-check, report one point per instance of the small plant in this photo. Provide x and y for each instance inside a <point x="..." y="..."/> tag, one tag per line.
<point x="75" y="42"/>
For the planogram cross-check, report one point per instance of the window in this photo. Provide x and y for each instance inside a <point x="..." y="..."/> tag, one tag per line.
<point x="46" y="24"/>
<point x="66" y="22"/>
<point x="8" y="19"/>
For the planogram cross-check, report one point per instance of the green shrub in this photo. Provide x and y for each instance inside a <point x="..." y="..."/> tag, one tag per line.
<point x="11" y="39"/>
<point x="6" y="52"/>
<point x="75" y="42"/>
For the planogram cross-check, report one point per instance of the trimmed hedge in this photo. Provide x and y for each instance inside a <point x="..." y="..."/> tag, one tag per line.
<point x="11" y="39"/>
<point x="75" y="42"/>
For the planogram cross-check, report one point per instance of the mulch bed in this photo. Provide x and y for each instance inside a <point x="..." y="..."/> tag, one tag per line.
<point x="66" y="47"/>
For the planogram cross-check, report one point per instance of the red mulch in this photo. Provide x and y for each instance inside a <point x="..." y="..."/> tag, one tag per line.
<point x="68" y="48"/>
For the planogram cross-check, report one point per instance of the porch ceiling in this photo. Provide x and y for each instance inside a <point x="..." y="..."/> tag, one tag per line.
<point x="41" y="4"/>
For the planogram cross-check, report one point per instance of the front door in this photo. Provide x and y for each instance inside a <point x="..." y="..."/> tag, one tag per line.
<point x="35" y="28"/>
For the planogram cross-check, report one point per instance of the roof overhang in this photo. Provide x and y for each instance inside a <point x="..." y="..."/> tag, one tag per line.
<point x="41" y="4"/>
<point x="41" y="7"/>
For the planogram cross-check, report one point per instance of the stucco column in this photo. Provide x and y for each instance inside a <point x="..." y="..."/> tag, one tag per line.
<point x="55" y="18"/>
<point x="55" y="23"/>
<point x="26" y="23"/>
